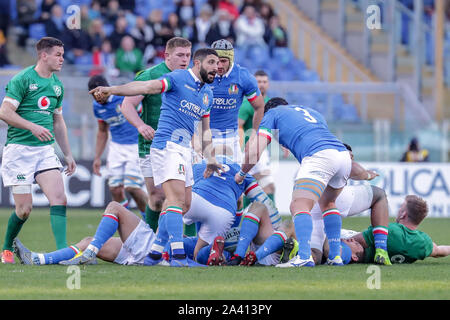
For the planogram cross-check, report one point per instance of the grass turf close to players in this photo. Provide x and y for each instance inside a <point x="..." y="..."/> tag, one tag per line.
<point x="427" y="279"/>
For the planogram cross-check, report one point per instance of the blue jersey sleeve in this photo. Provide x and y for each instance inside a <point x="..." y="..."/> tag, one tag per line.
<point x="250" y="85"/>
<point x="267" y="125"/>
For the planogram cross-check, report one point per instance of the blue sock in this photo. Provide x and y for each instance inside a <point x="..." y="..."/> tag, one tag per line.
<point x="161" y="240"/>
<point x="333" y="222"/>
<point x="272" y="244"/>
<point x="303" y="230"/>
<point x="203" y="254"/>
<point x="380" y="235"/>
<point x="174" y="227"/>
<point x="249" y="230"/>
<point x="105" y="230"/>
<point x="56" y="256"/>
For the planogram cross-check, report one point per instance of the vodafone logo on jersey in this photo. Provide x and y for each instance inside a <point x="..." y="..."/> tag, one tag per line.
<point x="43" y="103"/>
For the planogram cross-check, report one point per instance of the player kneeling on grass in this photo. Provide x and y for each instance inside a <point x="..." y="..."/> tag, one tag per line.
<point x="131" y="248"/>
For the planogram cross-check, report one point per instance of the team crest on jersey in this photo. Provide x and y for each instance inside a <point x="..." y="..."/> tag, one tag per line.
<point x="33" y="86"/>
<point x="57" y="90"/>
<point x="205" y="99"/>
<point x="43" y="103"/>
<point x="233" y="89"/>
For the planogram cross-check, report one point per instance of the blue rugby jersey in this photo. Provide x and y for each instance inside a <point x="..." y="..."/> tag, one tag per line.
<point x="222" y="190"/>
<point x="185" y="100"/>
<point x="229" y="91"/>
<point x="300" y="129"/>
<point x="122" y="132"/>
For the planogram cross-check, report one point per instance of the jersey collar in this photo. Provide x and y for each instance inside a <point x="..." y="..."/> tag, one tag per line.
<point x="193" y="75"/>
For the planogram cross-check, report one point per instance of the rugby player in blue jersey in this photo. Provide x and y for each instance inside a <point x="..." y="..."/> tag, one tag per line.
<point x="122" y="162"/>
<point x="186" y="101"/>
<point x="231" y="84"/>
<point x="325" y="168"/>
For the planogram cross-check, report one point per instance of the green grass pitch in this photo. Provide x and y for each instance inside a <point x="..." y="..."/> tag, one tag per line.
<point x="429" y="279"/>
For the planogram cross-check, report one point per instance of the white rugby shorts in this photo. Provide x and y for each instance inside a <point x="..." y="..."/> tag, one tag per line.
<point x="174" y="162"/>
<point x="137" y="246"/>
<point x="123" y="165"/>
<point x="330" y="167"/>
<point x="20" y="163"/>
<point x="215" y="221"/>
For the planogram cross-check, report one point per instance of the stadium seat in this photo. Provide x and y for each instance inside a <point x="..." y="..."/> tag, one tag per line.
<point x="37" y="31"/>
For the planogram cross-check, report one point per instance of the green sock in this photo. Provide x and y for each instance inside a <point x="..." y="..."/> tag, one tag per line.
<point x="152" y="217"/>
<point x="14" y="226"/>
<point x="246" y="202"/>
<point x="190" y="230"/>
<point x="58" y="223"/>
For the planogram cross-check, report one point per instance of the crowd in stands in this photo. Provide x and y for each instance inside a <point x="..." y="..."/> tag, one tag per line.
<point x="125" y="36"/>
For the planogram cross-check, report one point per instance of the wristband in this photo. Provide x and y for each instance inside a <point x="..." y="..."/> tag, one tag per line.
<point x="242" y="173"/>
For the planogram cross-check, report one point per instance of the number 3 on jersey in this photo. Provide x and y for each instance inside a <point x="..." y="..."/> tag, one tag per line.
<point x="308" y="116"/>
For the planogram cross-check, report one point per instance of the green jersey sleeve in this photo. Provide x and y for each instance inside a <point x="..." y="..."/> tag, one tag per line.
<point x="16" y="89"/>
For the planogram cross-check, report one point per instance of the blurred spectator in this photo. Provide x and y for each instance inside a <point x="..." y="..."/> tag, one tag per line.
<point x="250" y="29"/>
<point x="222" y="28"/>
<point x="103" y="60"/>
<point x="128" y="57"/>
<point x="254" y="3"/>
<point x="127" y="5"/>
<point x="185" y="11"/>
<point x="142" y="33"/>
<point x="266" y="12"/>
<point x="85" y="18"/>
<point x="173" y="25"/>
<point x="55" y="26"/>
<point x="202" y="25"/>
<point x="46" y="9"/>
<point x="4" y="26"/>
<point x="276" y="35"/>
<point x="155" y="21"/>
<point x="414" y="152"/>
<point x="112" y="12"/>
<point x="230" y="7"/>
<point x="95" y="10"/>
<point x="120" y="31"/>
<point x="3" y="53"/>
<point x="77" y="44"/>
<point x="143" y="36"/>
<point x="96" y="33"/>
<point x="26" y="10"/>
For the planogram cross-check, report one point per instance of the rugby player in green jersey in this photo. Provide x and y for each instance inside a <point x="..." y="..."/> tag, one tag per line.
<point x="32" y="108"/>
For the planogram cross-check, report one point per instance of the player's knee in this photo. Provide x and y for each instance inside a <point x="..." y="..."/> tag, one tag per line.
<point x="258" y="209"/>
<point x="58" y="199"/>
<point x="23" y="210"/>
<point x="378" y="194"/>
<point x="113" y="207"/>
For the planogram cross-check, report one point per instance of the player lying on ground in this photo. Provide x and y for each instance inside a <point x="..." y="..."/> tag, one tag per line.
<point x="130" y="248"/>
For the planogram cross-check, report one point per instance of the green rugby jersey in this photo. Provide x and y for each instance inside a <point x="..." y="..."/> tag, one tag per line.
<point x="36" y="99"/>
<point x="246" y="113"/>
<point x="151" y="104"/>
<point x="404" y="245"/>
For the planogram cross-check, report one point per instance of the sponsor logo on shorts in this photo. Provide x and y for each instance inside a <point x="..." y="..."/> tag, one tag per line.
<point x="181" y="169"/>
<point x="20" y="177"/>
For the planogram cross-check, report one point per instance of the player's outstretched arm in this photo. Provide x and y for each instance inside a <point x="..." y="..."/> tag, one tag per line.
<point x="208" y="150"/>
<point x="60" y="129"/>
<point x="133" y="88"/>
<point x="258" y="105"/>
<point x="10" y="116"/>
<point x="440" y="251"/>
